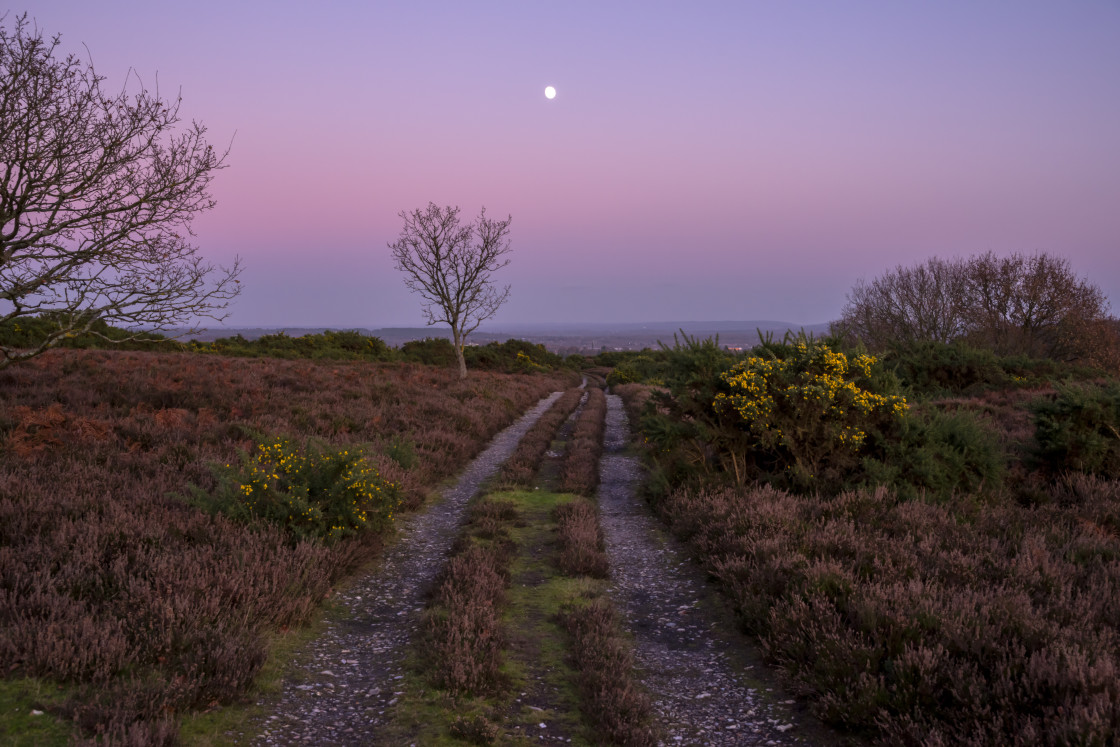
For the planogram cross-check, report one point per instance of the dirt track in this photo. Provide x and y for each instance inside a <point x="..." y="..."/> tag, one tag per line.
<point x="341" y="687"/>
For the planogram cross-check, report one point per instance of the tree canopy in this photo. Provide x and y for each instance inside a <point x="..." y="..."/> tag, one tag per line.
<point x="1014" y="305"/>
<point x="97" y="194"/>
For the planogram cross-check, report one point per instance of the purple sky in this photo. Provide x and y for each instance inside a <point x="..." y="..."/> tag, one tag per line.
<point x="701" y="161"/>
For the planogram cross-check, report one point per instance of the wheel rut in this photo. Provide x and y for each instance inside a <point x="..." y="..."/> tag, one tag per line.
<point x="695" y="665"/>
<point x="345" y="681"/>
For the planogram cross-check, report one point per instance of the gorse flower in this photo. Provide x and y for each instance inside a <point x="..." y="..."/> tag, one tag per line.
<point x="807" y="406"/>
<point x="316" y="492"/>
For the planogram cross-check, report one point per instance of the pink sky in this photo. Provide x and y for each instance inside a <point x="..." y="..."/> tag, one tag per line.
<point x="701" y="161"/>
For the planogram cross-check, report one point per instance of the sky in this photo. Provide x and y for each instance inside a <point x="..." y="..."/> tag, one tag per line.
<point x="700" y="161"/>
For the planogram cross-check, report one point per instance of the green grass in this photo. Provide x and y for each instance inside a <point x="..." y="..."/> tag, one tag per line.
<point x="542" y="685"/>
<point x="18" y="727"/>
<point x="538" y="650"/>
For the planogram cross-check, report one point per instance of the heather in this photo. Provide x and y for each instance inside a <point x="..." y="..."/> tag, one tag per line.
<point x="521" y="468"/>
<point x="463" y="635"/>
<point x="932" y="558"/>
<point x="140" y="604"/>
<point x="612" y="697"/>
<point x="582" y="548"/>
<point x="921" y="623"/>
<point x="580" y="471"/>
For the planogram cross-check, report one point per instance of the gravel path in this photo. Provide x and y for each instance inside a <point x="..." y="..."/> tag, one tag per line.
<point x="690" y="658"/>
<point x="344" y="683"/>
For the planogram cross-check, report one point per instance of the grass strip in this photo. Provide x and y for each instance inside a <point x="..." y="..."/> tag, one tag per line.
<point x="520" y="469"/>
<point x="612" y="698"/>
<point x="580" y="473"/>
<point x="462" y="632"/>
<point x="535" y="684"/>
<point x="582" y="547"/>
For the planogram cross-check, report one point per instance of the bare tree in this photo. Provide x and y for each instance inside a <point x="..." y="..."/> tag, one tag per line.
<point x="1031" y="305"/>
<point x="908" y="304"/>
<point x="450" y="266"/>
<point x="97" y="195"/>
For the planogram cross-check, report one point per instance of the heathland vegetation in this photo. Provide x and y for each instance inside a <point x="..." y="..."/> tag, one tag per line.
<point x="923" y="534"/>
<point x="520" y="630"/>
<point x="925" y="540"/>
<point x="164" y="514"/>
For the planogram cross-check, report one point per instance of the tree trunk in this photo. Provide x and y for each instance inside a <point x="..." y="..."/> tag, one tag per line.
<point x="459" y="353"/>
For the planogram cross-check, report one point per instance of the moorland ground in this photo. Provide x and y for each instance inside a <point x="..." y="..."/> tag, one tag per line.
<point x="121" y="603"/>
<point x="954" y="582"/>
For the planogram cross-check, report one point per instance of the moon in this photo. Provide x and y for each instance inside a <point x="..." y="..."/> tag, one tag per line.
<point x="549" y="92"/>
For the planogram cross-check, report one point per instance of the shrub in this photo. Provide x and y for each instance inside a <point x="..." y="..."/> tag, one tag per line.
<point x="27" y="332"/>
<point x="511" y="356"/>
<point x="311" y="492"/>
<point x="582" y="547"/>
<point x="808" y="408"/>
<point x="938" y="454"/>
<point x="1079" y="430"/>
<point x="934" y="367"/>
<point x="329" y="345"/>
<point x="680" y="423"/>
<point x="937" y="368"/>
<point x="646" y="367"/>
<point x="622" y="374"/>
<point x="401" y="450"/>
<point x="431" y="351"/>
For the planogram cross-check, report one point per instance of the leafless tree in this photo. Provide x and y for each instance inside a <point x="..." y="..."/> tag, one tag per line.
<point x="1019" y="304"/>
<point x="1031" y="305"/>
<point x="450" y="266"/>
<point x="97" y="195"/>
<point x="908" y="304"/>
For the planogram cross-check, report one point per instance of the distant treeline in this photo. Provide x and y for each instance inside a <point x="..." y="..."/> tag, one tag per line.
<point x="512" y="356"/>
<point x="925" y="367"/>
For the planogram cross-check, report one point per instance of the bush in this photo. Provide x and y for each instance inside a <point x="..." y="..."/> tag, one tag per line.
<point x="30" y="331"/>
<point x="808" y="408"/>
<point x="796" y="413"/>
<point x="643" y="368"/>
<point x="431" y="351"/>
<point x="1079" y="430"/>
<point x="511" y="356"/>
<point x="938" y="454"/>
<point x="958" y="368"/>
<point x="936" y="367"/>
<point x="329" y="345"/>
<point x="312" y="493"/>
<point x="680" y="423"/>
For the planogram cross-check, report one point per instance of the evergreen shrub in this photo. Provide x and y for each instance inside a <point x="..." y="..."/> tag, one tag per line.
<point x="314" y="492"/>
<point x="1079" y="430"/>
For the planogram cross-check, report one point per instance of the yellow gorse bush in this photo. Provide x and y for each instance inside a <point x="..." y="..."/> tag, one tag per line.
<point x="316" y="492"/>
<point x="807" y="406"/>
